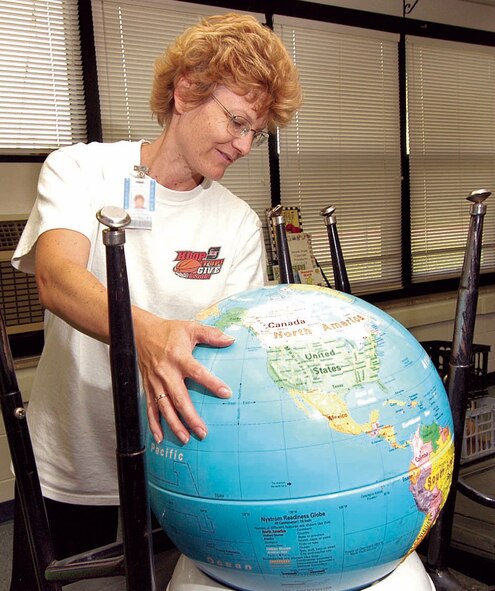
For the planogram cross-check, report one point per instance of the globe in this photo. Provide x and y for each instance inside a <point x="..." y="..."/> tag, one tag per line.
<point x="329" y="463"/>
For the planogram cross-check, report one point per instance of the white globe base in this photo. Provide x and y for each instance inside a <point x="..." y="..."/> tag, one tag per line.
<point x="410" y="575"/>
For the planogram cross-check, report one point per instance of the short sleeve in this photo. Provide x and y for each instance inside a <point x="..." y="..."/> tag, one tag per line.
<point x="62" y="202"/>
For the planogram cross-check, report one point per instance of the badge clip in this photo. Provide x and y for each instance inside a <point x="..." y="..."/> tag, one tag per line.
<point x="141" y="171"/>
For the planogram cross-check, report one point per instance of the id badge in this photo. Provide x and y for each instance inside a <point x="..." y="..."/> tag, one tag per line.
<point x="139" y="201"/>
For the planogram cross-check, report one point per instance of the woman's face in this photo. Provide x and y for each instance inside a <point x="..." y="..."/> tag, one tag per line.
<point x="205" y="143"/>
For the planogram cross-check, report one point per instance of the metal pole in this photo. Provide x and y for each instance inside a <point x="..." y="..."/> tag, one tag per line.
<point x="339" y="271"/>
<point x="138" y="551"/>
<point x="27" y="481"/>
<point x="283" y="253"/>
<point x="460" y="366"/>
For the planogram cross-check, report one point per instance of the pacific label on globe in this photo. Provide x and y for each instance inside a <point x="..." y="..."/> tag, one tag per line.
<point x="331" y="460"/>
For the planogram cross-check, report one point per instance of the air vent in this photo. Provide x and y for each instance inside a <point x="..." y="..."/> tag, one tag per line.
<point x="10" y="232"/>
<point x="19" y="301"/>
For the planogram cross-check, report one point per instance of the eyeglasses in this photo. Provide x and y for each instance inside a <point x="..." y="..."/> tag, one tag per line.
<point x="239" y="126"/>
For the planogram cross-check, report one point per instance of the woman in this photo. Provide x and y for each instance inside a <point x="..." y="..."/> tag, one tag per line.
<point x="217" y="90"/>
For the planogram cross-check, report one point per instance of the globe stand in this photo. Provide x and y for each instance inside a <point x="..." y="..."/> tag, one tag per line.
<point x="410" y="575"/>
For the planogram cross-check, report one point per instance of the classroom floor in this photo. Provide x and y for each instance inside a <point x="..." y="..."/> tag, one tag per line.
<point x="472" y="552"/>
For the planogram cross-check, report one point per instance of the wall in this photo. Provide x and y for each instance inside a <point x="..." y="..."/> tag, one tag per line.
<point x="474" y="14"/>
<point x="18" y="186"/>
<point x="432" y="318"/>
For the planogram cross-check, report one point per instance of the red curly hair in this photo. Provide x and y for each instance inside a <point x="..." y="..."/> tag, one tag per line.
<point x="231" y="50"/>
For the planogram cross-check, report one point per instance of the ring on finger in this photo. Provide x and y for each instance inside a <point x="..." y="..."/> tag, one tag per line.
<point x="159" y="397"/>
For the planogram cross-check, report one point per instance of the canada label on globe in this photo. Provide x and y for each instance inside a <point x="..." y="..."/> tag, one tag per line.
<point x="331" y="460"/>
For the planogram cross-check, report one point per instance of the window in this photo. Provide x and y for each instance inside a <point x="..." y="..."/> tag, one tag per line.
<point x="343" y="149"/>
<point x="125" y="75"/>
<point x="41" y="82"/>
<point x="451" y="110"/>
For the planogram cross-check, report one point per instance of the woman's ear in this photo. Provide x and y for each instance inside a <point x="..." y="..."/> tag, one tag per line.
<point x="181" y="94"/>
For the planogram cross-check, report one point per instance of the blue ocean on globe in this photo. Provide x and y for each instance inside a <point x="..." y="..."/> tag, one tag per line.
<point x="331" y="460"/>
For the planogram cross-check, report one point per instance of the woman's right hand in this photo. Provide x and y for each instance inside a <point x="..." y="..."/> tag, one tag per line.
<point x="164" y="352"/>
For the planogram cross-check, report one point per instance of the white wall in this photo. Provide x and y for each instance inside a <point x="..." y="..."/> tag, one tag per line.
<point x="18" y="186"/>
<point x="462" y="13"/>
<point x="432" y="318"/>
<point x="474" y="14"/>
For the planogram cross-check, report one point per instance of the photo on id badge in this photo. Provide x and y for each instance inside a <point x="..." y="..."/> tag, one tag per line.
<point x="139" y="201"/>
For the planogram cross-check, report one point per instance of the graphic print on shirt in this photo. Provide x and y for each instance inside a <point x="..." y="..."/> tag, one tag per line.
<point x="191" y="264"/>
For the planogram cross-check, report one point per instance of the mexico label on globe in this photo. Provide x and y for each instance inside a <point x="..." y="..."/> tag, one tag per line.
<point x="331" y="460"/>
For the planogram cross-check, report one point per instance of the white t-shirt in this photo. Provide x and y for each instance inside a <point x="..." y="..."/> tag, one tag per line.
<point x="70" y="411"/>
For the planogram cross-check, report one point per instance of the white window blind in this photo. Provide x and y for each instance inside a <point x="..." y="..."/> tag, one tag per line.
<point x="451" y="116"/>
<point x="343" y="149"/>
<point x="129" y="35"/>
<point x="41" y="85"/>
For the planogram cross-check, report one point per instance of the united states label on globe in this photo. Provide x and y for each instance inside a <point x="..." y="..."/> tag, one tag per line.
<point x="331" y="460"/>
